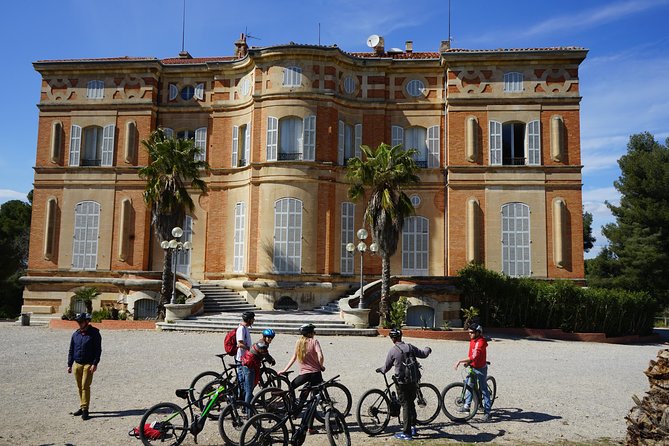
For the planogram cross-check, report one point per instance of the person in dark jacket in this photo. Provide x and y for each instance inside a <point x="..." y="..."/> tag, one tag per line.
<point x="406" y="392"/>
<point x="83" y="358"/>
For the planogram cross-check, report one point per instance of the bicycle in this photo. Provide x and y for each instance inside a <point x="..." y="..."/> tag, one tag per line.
<point x="337" y="396"/>
<point x="173" y="424"/>
<point x="269" y="428"/>
<point x="454" y="396"/>
<point x="377" y="406"/>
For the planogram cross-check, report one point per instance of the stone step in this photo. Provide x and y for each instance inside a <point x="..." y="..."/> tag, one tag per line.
<point x="345" y="330"/>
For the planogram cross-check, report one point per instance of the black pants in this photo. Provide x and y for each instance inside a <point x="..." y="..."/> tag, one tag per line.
<point x="407" y="396"/>
<point x="311" y="378"/>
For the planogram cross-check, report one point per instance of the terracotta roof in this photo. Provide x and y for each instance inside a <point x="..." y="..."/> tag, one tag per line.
<point x="195" y="60"/>
<point x="102" y="59"/>
<point x="514" y="50"/>
<point x="402" y="55"/>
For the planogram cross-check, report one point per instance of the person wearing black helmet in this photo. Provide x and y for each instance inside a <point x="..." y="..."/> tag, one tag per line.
<point x="477" y="360"/>
<point x="406" y="390"/>
<point x="83" y="358"/>
<point x="244" y="342"/>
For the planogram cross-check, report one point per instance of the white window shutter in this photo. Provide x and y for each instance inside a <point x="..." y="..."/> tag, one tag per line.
<point x="272" y="137"/>
<point x="309" y="138"/>
<point x="199" y="92"/>
<point x="168" y="132"/>
<point x="201" y="143"/>
<point x="235" y="146"/>
<point x="533" y="139"/>
<point x="340" y="144"/>
<point x="108" y="145"/>
<point x="397" y="136"/>
<point x="247" y="145"/>
<point x="495" y="143"/>
<point x="358" y="140"/>
<point x="75" y="145"/>
<point x="433" y="155"/>
<point x="174" y="92"/>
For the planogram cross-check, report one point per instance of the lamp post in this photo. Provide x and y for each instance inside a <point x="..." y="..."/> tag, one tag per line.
<point x="175" y="246"/>
<point x="362" y="248"/>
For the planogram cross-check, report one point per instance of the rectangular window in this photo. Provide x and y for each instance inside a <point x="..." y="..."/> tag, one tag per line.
<point x="85" y="240"/>
<point x="433" y="146"/>
<point x="95" y="89"/>
<point x="239" y="239"/>
<point x="292" y="77"/>
<point x="495" y="143"/>
<point x="201" y="143"/>
<point x="287" y="236"/>
<point x="235" y="146"/>
<point x="533" y="143"/>
<point x="347" y="236"/>
<point x="516" y="240"/>
<point x="397" y="136"/>
<point x="272" y="138"/>
<point x="415" y="248"/>
<point x="513" y="144"/>
<point x="416" y="138"/>
<point x="513" y="82"/>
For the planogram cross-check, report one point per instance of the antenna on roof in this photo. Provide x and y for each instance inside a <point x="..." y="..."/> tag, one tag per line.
<point x="183" y="52"/>
<point x="319" y="33"/>
<point x="449" y="20"/>
<point x="249" y="36"/>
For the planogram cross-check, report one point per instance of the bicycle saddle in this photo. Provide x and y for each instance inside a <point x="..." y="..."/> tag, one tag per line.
<point x="182" y="393"/>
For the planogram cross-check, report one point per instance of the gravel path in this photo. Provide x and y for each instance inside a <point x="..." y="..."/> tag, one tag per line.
<point x="548" y="390"/>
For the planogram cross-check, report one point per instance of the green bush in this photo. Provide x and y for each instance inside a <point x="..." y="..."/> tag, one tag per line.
<point x="99" y="315"/>
<point x="523" y="302"/>
<point x="398" y="313"/>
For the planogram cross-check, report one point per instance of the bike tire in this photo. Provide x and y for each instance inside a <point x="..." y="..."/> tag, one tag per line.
<point x="428" y="403"/>
<point x="339" y="398"/>
<point x="492" y="389"/>
<point x="271" y="400"/>
<point x="270" y="378"/>
<point x="336" y="428"/>
<point x="215" y="410"/>
<point x="173" y="424"/>
<point x="373" y="412"/>
<point x="264" y="429"/>
<point x="232" y="420"/>
<point x="453" y="399"/>
<point x="199" y="382"/>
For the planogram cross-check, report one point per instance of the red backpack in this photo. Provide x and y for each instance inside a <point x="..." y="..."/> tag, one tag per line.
<point x="150" y="433"/>
<point x="230" y="342"/>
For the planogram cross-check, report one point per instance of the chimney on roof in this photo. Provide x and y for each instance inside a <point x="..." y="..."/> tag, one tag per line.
<point x="241" y="47"/>
<point x="183" y="54"/>
<point x="445" y="46"/>
<point x="409" y="47"/>
<point x="380" y="47"/>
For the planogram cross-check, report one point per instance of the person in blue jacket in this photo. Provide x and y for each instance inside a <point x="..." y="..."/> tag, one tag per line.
<point x="83" y="358"/>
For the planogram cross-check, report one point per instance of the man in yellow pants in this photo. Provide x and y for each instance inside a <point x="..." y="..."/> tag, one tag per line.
<point x="83" y="358"/>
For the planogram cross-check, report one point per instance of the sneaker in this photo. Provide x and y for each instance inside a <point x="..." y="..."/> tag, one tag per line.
<point x="78" y="412"/>
<point x="486" y="418"/>
<point x="463" y="409"/>
<point x="414" y="431"/>
<point x="312" y="431"/>
<point x="403" y="436"/>
<point x="84" y="415"/>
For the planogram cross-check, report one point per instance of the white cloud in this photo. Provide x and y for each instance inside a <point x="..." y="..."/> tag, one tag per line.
<point x="8" y="194"/>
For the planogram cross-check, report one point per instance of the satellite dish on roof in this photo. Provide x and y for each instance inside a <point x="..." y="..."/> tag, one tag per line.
<point x="373" y="41"/>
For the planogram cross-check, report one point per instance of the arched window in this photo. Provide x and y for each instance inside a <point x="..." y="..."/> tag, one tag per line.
<point x="86" y="228"/>
<point x="288" y="236"/>
<point x="516" y="239"/>
<point x="145" y="309"/>
<point x="415" y="255"/>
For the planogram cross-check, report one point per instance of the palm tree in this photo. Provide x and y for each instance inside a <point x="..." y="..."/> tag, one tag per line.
<point x="173" y="168"/>
<point x="386" y="171"/>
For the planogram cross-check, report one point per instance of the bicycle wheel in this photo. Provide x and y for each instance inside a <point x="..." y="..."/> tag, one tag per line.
<point x="373" y="412"/>
<point x="232" y="420"/>
<point x="428" y="403"/>
<point x="492" y="389"/>
<point x="336" y="428"/>
<point x="200" y="381"/>
<point x="264" y="429"/>
<point x="453" y="402"/>
<point x="269" y="378"/>
<point x="271" y="400"/>
<point x="167" y="418"/>
<point x="336" y="396"/>
<point x="206" y="397"/>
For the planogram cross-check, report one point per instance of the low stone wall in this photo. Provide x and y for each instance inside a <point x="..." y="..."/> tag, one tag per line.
<point x="106" y="324"/>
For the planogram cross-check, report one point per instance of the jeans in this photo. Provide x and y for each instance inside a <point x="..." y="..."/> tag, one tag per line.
<point x="481" y="376"/>
<point x="407" y="396"/>
<point x="84" y="378"/>
<point x="246" y="381"/>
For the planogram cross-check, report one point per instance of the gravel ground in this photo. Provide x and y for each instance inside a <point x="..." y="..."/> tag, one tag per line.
<point x="547" y="390"/>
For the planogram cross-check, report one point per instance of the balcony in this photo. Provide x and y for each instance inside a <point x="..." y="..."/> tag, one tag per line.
<point x="290" y="156"/>
<point x="513" y="161"/>
<point x="88" y="162"/>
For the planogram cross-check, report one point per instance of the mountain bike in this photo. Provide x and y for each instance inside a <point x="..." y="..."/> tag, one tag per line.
<point x="454" y="396"/>
<point x="269" y="428"/>
<point x="377" y="406"/>
<point x="173" y="422"/>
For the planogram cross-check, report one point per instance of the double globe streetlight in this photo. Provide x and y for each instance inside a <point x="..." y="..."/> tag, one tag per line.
<point x="175" y="246"/>
<point x="362" y="248"/>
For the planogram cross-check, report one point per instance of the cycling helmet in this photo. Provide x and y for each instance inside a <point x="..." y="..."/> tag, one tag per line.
<point x="395" y="333"/>
<point x="476" y="328"/>
<point x="82" y="317"/>
<point x="307" y="328"/>
<point x="268" y="333"/>
<point x="261" y="347"/>
<point x="248" y="316"/>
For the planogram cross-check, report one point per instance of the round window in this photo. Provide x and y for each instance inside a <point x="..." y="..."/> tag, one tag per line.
<point x="245" y="86"/>
<point x="415" y="88"/>
<point x="187" y="92"/>
<point x="349" y="84"/>
<point x="415" y="200"/>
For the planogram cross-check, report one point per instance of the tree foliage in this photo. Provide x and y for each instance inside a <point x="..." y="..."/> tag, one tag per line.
<point x="384" y="173"/>
<point x="14" y="237"/>
<point x="588" y="239"/>
<point x="637" y="257"/>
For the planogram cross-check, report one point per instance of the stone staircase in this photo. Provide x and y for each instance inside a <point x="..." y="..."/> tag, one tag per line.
<point x="219" y="299"/>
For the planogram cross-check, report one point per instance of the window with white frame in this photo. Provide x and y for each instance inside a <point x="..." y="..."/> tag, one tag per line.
<point x="349" y="142"/>
<point x="241" y="145"/>
<point x="183" y="257"/>
<point x="516" y="240"/>
<point x="95" y="89"/>
<point x="425" y="141"/>
<point x="287" y="257"/>
<point x="513" y="82"/>
<point x="415" y="249"/>
<point x="291" y="138"/>
<point x="199" y="137"/>
<point x="415" y="88"/>
<point x="292" y="77"/>
<point x="347" y="236"/>
<point x="239" y="238"/>
<point x="86" y="231"/>
<point x="515" y="143"/>
<point x="416" y="138"/>
<point x="349" y="84"/>
<point x="92" y="146"/>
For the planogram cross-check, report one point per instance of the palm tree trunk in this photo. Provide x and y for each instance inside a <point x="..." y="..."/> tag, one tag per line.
<point x="384" y="313"/>
<point x="166" y="287"/>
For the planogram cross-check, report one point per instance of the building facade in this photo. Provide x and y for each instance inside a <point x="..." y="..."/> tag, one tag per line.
<point x="498" y="141"/>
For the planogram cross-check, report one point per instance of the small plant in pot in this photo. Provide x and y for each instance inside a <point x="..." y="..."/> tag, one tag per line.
<point x="86" y="295"/>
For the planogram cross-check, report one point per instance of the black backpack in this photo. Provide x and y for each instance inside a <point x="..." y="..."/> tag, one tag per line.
<point x="409" y="372"/>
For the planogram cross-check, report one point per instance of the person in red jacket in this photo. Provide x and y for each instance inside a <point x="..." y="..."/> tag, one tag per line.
<point x="253" y="358"/>
<point x="476" y="359"/>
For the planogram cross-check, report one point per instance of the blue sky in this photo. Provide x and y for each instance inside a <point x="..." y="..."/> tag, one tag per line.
<point x="624" y="79"/>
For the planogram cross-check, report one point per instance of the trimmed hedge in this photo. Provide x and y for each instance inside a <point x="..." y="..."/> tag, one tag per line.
<point x="521" y="302"/>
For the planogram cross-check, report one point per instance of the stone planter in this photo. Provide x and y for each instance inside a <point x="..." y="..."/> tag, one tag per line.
<point x="175" y="312"/>
<point x="359" y="318"/>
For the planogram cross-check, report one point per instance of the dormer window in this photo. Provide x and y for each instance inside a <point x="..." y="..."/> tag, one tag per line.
<point x="95" y="89"/>
<point x="292" y="77"/>
<point x="513" y="82"/>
